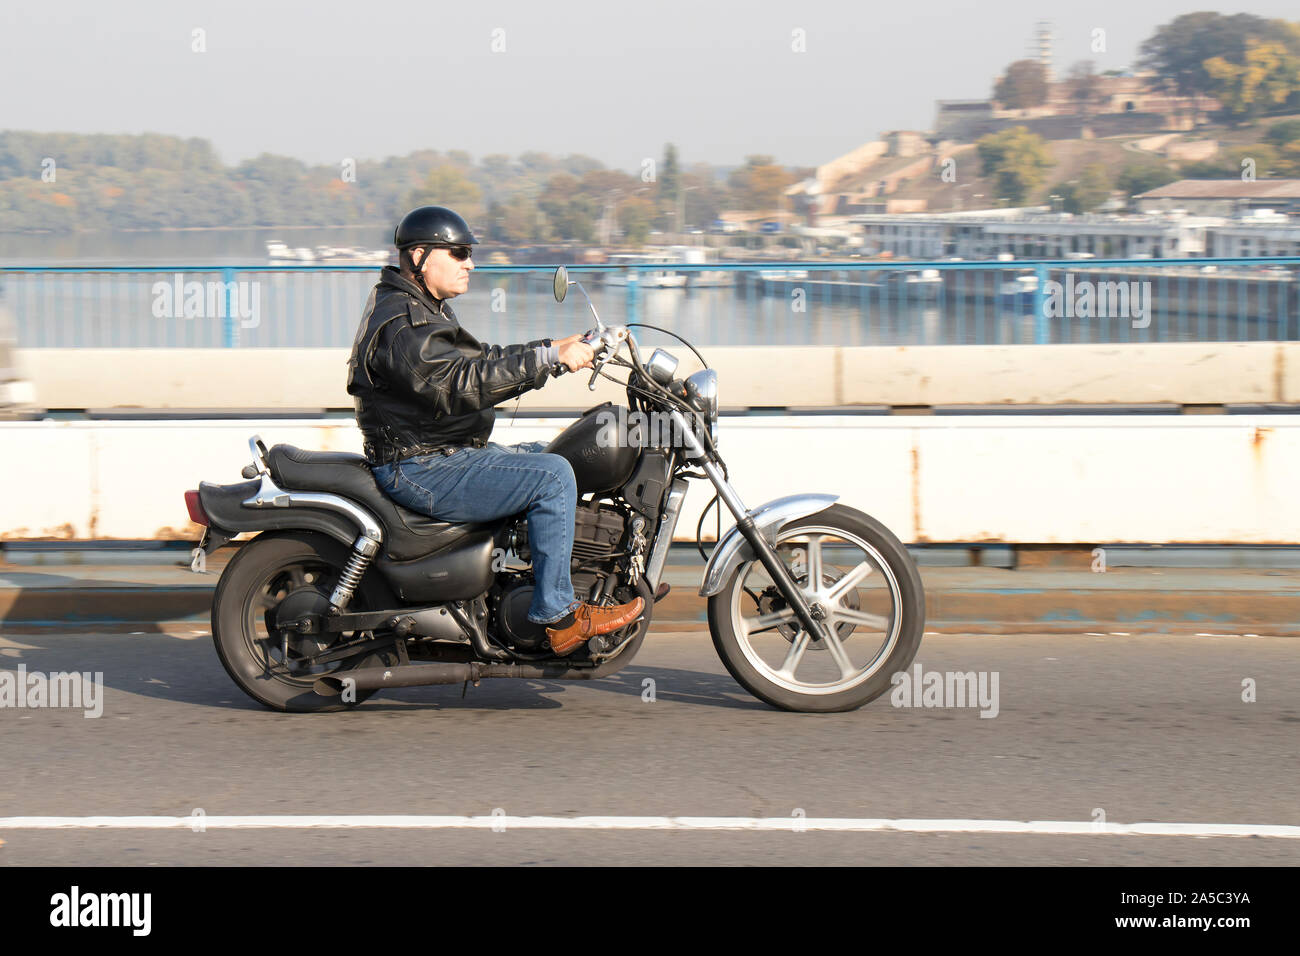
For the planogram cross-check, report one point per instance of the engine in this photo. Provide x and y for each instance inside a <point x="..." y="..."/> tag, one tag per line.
<point x="599" y="538"/>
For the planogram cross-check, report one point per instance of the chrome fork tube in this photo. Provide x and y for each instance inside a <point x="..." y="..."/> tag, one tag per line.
<point x="763" y="549"/>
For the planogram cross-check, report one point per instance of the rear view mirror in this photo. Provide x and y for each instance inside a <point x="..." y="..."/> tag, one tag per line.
<point x="561" y="283"/>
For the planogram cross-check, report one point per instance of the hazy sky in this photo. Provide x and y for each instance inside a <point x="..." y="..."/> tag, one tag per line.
<point x="329" y="79"/>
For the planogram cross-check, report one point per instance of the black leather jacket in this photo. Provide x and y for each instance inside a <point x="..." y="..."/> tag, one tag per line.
<point x="421" y="382"/>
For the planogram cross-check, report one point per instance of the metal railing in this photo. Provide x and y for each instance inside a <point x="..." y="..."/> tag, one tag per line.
<point x="780" y="303"/>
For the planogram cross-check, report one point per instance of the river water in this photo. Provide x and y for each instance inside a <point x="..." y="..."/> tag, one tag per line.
<point x="288" y="308"/>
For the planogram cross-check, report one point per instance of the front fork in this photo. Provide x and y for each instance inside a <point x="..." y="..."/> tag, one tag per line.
<point x="809" y="616"/>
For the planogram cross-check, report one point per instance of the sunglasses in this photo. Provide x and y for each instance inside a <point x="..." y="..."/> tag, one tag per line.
<point x="459" y="253"/>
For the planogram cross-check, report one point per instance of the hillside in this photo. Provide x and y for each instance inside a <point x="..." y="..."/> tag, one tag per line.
<point x="1069" y="156"/>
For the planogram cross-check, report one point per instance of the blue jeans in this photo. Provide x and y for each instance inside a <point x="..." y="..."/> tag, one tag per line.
<point x="484" y="484"/>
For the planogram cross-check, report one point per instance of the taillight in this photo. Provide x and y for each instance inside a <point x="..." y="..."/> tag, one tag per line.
<point x="195" y="506"/>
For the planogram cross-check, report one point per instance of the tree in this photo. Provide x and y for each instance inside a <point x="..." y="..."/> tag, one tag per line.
<point x="1285" y="138"/>
<point x="1266" y="77"/>
<point x="1134" y="180"/>
<point x="521" y="222"/>
<point x="1023" y="86"/>
<point x="1263" y="159"/>
<point x="634" y="216"/>
<point x="1084" y="84"/>
<point x="448" y="186"/>
<point x="1017" y="160"/>
<point x="1178" y="49"/>
<point x="705" y="195"/>
<point x="670" y="184"/>
<point x="570" y="213"/>
<point x="759" y="184"/>
<point x="1090" y="190"/>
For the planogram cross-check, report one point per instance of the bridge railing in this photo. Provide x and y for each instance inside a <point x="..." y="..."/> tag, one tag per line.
<point x="1038" y="301"/>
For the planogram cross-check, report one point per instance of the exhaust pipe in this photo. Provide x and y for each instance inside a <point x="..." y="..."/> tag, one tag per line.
<point x="424" y="675"/>
<point x="403" y="675"/>
<point x="449" y="672"/>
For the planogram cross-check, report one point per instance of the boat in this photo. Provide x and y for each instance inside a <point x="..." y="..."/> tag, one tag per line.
<point x="661" y="278"/>
<point x="926" y="277"/>
<point x="275" y="249"/>
<point x="918" y="284"/>
<point x="701" y="278"/>
<point x="1019" y="292"/>
<point x="340" y="255"/>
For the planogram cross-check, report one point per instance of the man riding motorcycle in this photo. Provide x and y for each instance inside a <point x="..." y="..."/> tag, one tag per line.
<point x="425" y="391"/>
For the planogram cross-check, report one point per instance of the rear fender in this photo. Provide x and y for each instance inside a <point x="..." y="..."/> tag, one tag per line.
<point x="224" y="506"/>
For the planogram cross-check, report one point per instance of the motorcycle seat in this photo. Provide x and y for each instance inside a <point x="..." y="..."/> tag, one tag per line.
<point x="407" y="534"/>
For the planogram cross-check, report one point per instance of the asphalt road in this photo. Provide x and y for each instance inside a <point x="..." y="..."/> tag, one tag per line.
<point x="1146" y="728"/>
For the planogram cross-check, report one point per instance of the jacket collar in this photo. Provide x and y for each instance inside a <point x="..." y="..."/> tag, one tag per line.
<point x="392" y="277"/>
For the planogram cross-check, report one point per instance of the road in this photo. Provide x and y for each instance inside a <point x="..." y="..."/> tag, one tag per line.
<point x="1144" y="728"/>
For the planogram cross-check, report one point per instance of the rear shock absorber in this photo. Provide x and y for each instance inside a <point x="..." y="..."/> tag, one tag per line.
<point x="363" y="552"/>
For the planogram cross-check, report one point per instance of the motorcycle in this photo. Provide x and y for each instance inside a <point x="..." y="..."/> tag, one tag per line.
<point x="812" y="605"/>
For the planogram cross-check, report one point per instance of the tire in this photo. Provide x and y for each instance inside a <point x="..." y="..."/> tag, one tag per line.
<point x="244" y="605"/>
<point x="749" y="637"/>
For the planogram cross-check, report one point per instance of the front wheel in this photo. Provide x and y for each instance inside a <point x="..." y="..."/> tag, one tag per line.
<point x="866" y="585"/>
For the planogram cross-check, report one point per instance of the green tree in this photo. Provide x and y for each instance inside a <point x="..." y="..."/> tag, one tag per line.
<point x="1267" y="76"/>
<point x="521" y="222"/>
<point x="1017" y="161"/>
<point x="1287" y="131"/>
<point x="1178" y="49"/>
<point x="1024" y="85"/>
<point x="1090" y="190"/>
<point x="1263" y="158"/>
<point x="448" y="186"/>
<point x="1134" y="180"/>
<point x="634" y="218"/>
<point x="670" y="184"/>
<point x="570" y="213"/>
<point x="1285" y="138"/>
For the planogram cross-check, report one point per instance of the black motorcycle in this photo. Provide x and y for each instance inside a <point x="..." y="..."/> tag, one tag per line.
<point x="812" y="605"/>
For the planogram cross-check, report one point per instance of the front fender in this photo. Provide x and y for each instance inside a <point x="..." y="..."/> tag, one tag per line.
<point x="733" y="550"/>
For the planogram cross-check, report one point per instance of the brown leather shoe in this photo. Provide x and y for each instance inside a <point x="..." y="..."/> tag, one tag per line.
<point x="590" y="620"/>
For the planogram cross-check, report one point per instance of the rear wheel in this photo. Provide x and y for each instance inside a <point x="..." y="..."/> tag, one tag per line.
<point x="273" y="580"/>
<point x="864" y="583"/>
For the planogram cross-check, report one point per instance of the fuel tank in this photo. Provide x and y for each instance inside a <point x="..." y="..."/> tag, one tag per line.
<point x="598" y="465"/>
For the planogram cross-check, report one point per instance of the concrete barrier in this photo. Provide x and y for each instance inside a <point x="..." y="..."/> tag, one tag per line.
<point x="1069" y="479"/>
<point x="1181" y="373"/>
<point x="807" y="377"/>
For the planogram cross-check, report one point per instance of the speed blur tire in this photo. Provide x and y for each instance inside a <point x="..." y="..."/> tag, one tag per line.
<point x="911" y="610"/>
<point x="250" y="570"/>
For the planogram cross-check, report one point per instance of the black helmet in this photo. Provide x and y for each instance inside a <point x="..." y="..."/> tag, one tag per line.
<point x="432" y="226"/>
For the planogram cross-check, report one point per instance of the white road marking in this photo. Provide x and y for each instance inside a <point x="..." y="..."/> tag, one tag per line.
<point x="838" y="824"/>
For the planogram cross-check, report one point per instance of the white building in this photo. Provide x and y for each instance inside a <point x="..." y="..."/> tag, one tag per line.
<point x="1035" y="234"/>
